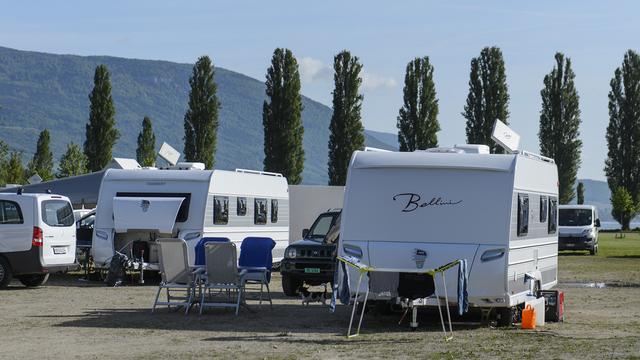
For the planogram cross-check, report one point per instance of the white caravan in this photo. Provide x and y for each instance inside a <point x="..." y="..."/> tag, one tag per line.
<point x="406" y="211"/>
<point x="135" y="207"/>
<point x="37" y="237"/>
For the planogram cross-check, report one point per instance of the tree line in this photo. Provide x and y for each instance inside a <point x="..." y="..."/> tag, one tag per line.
<point x="417" y="122"/>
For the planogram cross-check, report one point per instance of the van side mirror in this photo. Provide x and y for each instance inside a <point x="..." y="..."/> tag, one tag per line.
<point x="305" y="232"/>
<point x="597" y="223"/>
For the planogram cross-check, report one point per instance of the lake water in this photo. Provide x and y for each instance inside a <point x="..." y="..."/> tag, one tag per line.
<point x="612" y="225"/>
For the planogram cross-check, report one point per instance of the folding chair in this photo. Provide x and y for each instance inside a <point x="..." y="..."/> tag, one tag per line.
<point x="176" y="274"/>
<point x="221" y="273"/>
<point x="257" y="260"/>
<point x="199" y="250"/>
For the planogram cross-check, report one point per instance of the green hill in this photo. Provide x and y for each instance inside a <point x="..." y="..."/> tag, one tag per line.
<point x="39" y="91"/>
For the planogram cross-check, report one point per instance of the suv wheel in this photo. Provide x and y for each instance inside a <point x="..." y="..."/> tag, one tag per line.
<point x="5" y="273"/>
<point x="290" y="285"/>
<point x="33" y="280"/>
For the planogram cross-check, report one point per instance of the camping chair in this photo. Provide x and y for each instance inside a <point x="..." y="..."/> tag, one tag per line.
<point x="199" y="250"/>
<point x="257" y="260"/>
<point x="221" y="273"/>
<point x="176" y="274"/>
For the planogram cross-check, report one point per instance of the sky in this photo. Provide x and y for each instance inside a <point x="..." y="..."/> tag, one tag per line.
<point x="241" y="36"/>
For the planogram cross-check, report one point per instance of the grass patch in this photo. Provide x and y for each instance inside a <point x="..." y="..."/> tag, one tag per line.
<point x="618" y="260"/>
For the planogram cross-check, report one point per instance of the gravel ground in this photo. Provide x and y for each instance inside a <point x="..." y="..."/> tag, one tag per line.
<point x="69" y="319"/>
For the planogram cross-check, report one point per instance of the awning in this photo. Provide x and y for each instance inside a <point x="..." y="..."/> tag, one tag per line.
<point x="145" y="213"/>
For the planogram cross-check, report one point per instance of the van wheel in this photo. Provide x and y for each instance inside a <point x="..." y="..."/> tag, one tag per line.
<point x="593" y="250"/>
<point x="5" y="273"/>
<point x="33" y="280"/>
<point x="290" y="285"/>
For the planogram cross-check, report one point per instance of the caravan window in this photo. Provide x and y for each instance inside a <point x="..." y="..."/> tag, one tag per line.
<point x="183" y="212"/>
<point x="260" y="211"/>
<point x="10" y="213"/>
<point x="543" y="209"/>
<point x="274" y="210"/>
<point x="220" y="210"/>
<point x="523" y="214"/>
<point x="553" y="215"/>
<point x="241" y="207"/>
<point x="57" y="213"/>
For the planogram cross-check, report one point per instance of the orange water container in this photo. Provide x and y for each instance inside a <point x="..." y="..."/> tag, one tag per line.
<point x="529" y="318"/>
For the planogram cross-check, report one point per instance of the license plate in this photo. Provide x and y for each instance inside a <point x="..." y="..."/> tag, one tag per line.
<point x="571" y="245"/>
<point x="312" y="270"/>
<point x="59" y="250"/>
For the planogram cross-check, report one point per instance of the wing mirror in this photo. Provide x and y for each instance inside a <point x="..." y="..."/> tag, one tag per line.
<point x="305" y="232"/>
<point x="597" y="223"/>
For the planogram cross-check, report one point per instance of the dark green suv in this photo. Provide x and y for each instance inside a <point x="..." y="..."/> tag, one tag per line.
<point x="312" y="260"/>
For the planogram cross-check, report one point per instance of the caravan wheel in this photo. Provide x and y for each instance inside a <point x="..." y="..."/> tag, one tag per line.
<point x="506" y="316"/>
<point x="5" y="273"/>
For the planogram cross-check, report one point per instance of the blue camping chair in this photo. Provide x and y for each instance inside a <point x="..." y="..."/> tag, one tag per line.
<point x="257" y="260"/>
<point x="200" y="254"/>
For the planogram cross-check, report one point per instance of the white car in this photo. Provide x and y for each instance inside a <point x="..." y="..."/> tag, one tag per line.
<point x="37" y="237"/>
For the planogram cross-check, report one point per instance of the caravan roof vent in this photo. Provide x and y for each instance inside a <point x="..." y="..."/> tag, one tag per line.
<point x="185" y="166"/>
<point x="473" y="148"/>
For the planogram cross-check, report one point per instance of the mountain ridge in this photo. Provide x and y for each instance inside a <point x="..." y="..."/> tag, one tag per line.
<point x="41" y="90"/>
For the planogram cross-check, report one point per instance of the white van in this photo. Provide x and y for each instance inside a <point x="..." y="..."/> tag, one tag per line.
<point x="578" y="228"/>
<point x="37" y="237"/>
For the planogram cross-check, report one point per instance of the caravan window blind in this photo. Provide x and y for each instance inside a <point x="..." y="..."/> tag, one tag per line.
<point x="543" y="209"/>
<point x="523" y="214"/>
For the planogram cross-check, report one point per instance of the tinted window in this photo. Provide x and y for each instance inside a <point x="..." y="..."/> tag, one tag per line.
<point x="553" y="215"/>
<point x="274" y="210"/>
<point x="10" y="213"/>
<point x="575" y="217"/>
<point x="260" y="211"/>
<point x="241" y="208"/>
<point x="543" y="208"/>
<point x="220" y="210"/>
<point x="183" y="212"/>
<point x="523" y="214"/>
<point x="57" y="213"/>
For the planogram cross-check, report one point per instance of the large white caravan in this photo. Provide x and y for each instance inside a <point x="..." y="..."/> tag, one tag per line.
<point x="407" y="211"/>
<point x="135" y="207"/>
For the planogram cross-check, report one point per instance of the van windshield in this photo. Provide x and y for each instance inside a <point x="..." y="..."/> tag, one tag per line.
<point x="57" y="213"/>
<point x="575" y="217"/>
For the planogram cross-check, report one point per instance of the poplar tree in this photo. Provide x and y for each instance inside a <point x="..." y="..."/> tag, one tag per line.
<point x="4" y="161"/>
<point x="15" y="169"/>
<point x="42" y="162"/>
<point x="346" y="130"/>
<point x="201" y="119"/>
<point x="580" y="193"/>
<point x="73" y="162"/>
<point x="418" y="119"/>
<point x="146" y="151"/>
<point x="488" y="97"/>
<point x="101" y="131"/>
<point x="560" y="125"/>
<point x="622" y="166"/>
<point x="282" y="118"/>
<point x="623" y="207"/>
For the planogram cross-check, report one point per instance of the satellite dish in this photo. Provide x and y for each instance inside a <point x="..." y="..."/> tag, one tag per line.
<point x="34" y="179"/>
<point x="169" y="154"/>
<point x="505" y="137"/>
